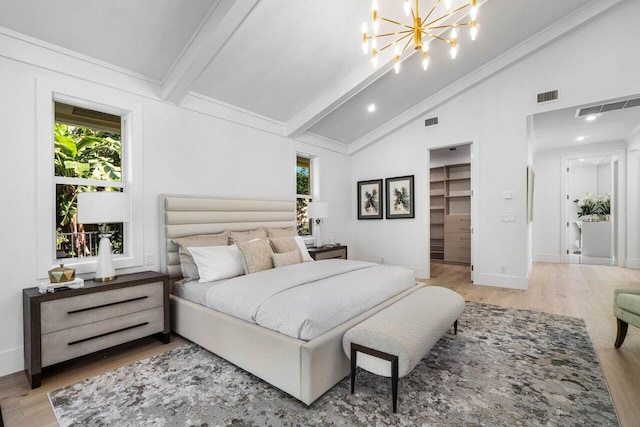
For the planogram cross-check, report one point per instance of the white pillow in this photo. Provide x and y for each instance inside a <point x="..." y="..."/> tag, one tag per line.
<point x="303" y="249"/>
<point x="217" y="262"/>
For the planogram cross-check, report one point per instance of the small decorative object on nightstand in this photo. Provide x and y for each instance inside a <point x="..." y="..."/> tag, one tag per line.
<point x="328" y="252"/>
<point x="63" y="325"/>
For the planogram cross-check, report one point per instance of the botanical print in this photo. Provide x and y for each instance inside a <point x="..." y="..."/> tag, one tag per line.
<point x="370" y="199"/>
<point x="400" y="203"/>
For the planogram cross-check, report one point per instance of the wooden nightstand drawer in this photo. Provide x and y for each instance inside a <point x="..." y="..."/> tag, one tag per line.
<point x="83" y="309"/>
<point x="328" y="253"/>
<point x="70" y="343"/>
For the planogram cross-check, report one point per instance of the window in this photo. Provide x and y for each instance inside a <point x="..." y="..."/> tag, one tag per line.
<point x="303" y="194"/>
<point x="87" y="157"/>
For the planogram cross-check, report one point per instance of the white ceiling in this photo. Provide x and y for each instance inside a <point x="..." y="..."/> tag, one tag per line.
<point x="298" y="63"/>
<point x="561" y="128"/>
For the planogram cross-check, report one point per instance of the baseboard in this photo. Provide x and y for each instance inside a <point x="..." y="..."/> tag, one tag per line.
<point x="554" y="258"/>
<point x="11" y="361"/>
<point x="501" y="281"/>
<point x="594" y="260"/>
<point x="633" y="263"/>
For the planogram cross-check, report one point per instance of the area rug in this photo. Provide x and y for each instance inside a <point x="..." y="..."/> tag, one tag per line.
<point x="506" y="367"/>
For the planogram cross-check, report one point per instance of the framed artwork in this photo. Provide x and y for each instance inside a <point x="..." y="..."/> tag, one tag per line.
<point x="370" y="199"/>
<point x="400" y="200"/>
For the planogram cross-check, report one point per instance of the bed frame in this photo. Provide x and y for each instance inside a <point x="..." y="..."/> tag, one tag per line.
<point x="303" y="369"/>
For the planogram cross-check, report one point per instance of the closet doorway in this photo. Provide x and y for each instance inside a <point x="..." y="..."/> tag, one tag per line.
<point x="450" y="205"/>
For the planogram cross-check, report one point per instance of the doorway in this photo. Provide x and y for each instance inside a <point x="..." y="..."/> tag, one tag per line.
<point x="590" y="209"/>
<point x="450" y="176"/>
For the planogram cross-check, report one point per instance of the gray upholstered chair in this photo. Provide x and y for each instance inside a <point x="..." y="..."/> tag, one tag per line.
<point x="626" y="307"/>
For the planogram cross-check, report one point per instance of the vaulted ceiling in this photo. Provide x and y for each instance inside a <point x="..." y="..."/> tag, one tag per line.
<point x="297" y="63"/>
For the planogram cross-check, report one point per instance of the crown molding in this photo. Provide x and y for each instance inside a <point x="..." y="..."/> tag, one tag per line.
<point x="322" y="142"/>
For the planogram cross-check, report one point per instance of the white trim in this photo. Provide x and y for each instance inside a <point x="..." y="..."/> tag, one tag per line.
<point x="322" y="142"/>
<point x="552" y="258"/>
<point x="633" y="263"/>
<point x="11" y="361"/>
<point x="100" y="98"/>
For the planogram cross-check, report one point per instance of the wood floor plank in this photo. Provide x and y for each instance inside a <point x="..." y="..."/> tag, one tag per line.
<point x="572" y="290"/>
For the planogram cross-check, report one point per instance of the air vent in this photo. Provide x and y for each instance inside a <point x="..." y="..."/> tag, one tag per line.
<point x="548" y="96"/>
<point x="432" y="121"/>
<point x="604" y="108"/>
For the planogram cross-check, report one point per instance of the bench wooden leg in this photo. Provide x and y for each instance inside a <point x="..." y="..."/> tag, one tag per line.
<point x="380" y="355"/>
<point x="455" y="327"/>
<point x="622" y="332"/>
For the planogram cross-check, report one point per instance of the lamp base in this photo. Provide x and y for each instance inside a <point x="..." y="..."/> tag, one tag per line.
<point x="104" y="267"/>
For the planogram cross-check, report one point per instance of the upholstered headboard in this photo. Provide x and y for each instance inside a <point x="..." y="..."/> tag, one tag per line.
<point x="191" y="215"/>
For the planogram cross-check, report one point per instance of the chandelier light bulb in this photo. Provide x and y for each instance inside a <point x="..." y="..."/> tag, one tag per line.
<point x="407" y="7"/>
<point x="454" y="33"/>
<point x="396" y="66"/>
<point x="454" y="49"/>
<point x="447" y="4"/>
<point x="376" y="26"/>
<point x="374" y="44"/>
<point x="474" y="30"/>
<point x="474" y="10"/>
<point x="374" y="6"/>
<point x="425" y="61"/>
<point x="365" y="47"/>
<point x="374" y="58"/>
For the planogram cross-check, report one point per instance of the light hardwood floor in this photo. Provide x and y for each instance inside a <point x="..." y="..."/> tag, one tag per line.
<point x="573" y="290"/>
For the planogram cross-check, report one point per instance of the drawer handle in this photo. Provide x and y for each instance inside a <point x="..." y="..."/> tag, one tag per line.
<point x="106" y="305"/>
<point x="108" y="333"/>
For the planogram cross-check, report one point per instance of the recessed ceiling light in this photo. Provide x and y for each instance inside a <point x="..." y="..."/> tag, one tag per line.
<point x="581" y="160"/>
<point x="591" y="118"/>
<point x="580" y="138"/>
<point x="371" y="108"/>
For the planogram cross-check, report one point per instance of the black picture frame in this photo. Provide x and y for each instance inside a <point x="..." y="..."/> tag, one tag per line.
<point x="400" y="201"/>
<point x="370" y="199"/>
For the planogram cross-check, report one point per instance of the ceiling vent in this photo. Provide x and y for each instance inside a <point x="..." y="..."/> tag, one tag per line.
<point x="432" y="121"/>
<point x="604" y="108"/>
<point x="548" y="96"/>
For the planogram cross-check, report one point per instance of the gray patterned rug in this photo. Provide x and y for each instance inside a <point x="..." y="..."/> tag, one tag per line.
<point x="506" y="367"/>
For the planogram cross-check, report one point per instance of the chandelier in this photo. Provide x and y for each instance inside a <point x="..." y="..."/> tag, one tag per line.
<point x="421" y="31"/>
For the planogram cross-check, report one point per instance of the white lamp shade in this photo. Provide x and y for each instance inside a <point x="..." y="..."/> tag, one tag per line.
<point x="103" y="207"/>
<point x="318" y="210"/>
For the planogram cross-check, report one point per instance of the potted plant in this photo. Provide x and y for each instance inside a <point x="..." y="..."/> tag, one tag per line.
<point x="586" y="207"/>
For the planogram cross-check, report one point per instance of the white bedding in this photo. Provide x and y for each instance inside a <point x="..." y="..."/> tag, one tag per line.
<point x="305" y="300"/>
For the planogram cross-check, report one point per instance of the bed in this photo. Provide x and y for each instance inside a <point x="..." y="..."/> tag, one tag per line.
<point x="303" y="369"/>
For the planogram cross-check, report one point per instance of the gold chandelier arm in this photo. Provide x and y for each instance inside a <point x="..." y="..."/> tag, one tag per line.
<point x="405" y="46"/>
<point x="446" y="15"/>
<point x="431" y="11"/>
<point x="397" y="33"/>
<point x="459" y="24"/>
<point x="435" y="36"/>
<point x="394" y="42"/>
<point x="394" y="22"/>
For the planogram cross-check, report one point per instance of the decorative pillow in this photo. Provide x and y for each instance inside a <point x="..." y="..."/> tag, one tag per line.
<point x="284" y="244"/>
<point x="282" y="232"/>
<point x="287" y="258"/>
<point x="187" y="265"/>
<point x="303" y="249"/>
<point x="244" y="236"/>
<point x="217" y="262"/>
<point x="256" y="255"/>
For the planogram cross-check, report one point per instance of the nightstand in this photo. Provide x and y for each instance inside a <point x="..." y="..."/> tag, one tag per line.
<point x="66" y="324"/>
<point x="328" y="252"/>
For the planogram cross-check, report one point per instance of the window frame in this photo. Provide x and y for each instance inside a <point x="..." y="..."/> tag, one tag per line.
<point x="105" y="100"/>
<point x="308" y="197"/>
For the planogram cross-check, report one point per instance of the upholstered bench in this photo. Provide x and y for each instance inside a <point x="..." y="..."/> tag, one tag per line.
<point x="392" y="342"/>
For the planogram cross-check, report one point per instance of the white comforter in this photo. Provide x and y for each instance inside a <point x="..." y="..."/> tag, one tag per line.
<point x="305" y="300"/>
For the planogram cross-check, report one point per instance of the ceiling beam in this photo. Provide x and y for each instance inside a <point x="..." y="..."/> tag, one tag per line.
<point x="225" y="16"/>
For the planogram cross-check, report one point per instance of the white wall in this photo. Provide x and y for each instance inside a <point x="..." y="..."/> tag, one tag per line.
<point x="493" y="114"/>
<point x="633" y="201"/>
<point x="185" y="152"/>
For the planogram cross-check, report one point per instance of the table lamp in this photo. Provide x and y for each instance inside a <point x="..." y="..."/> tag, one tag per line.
<point x="103" y="208"/>
<point x="318" y="211"/>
